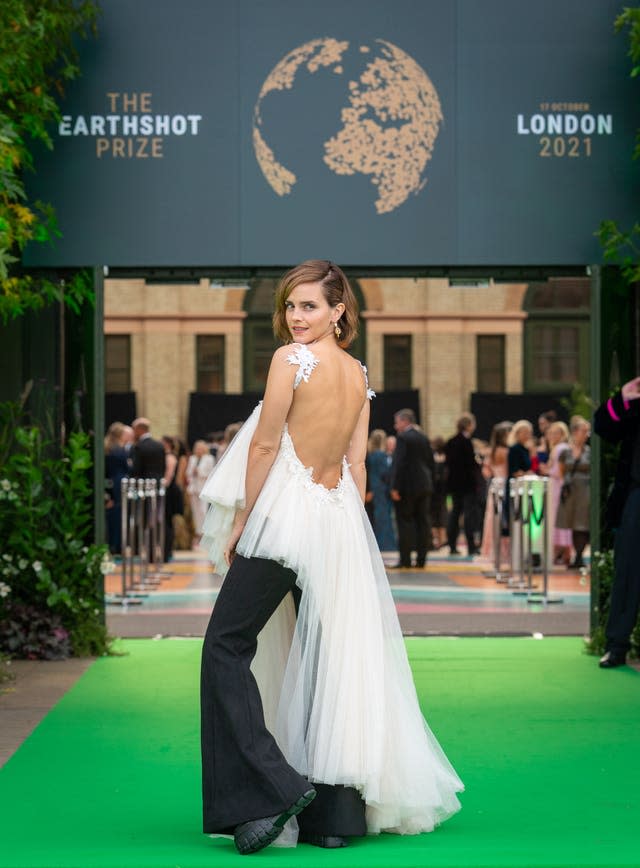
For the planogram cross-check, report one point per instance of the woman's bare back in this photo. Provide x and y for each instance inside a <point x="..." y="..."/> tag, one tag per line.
<point x="325" y="411"/>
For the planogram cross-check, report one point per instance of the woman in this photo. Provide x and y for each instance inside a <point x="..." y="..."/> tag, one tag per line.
<point x="116" y="462"/>
<point x="342" y="706"/>
<point x="173" y="502"/>
<point x="558" y="436"/>
<point x="518" y="462"/>
<point x="575" y="467"/>
<point x="199" y="467"/>
<point x="438" y="507"/>
<point x="495" y="468"/>
<point x="378" y="493"/>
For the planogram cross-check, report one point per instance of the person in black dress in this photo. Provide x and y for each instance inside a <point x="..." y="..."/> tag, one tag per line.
<point x="173" y="500"/>
<point x="617" y="420"/>
<point x="116" y="468"/>
<point x="462" y="479"/>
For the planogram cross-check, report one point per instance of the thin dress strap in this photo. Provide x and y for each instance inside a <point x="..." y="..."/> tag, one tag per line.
<point x="370" y="393"/>
<point x="305" y="360"/>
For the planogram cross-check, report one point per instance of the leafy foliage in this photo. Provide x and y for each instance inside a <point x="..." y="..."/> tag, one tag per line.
<point x="38" y="57"/>
<point x="578" y="403"/>
<point x="603" y="563"/>
<point x="46" y="564"/>
<point x="32" y="633"/>
<point x="623" y="247"/>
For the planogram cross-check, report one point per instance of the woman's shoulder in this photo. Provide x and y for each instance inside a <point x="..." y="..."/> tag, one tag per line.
<point x="299" y="356"/>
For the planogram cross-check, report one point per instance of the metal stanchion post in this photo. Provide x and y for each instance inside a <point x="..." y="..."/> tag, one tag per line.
<point x="497" y="490"/>
<point x="127" y="526"/>
<point x="151" y="530"/>
<point x="515" y="493"/>
<point x="159" y="570"/>
<point x="526" y="514"/>
<point x="124" y="544"/>
<point x="544" y="597"/>
<point x="528" y="499"/>
<point x="162" y="530"/>
<point x="512" y="564"/>
<point x="142" y="535"/>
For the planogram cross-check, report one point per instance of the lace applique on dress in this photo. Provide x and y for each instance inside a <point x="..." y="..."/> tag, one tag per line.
<point x="370" y="393"/>
<point x="306" y="362"/>
<point x="318" y="491"/>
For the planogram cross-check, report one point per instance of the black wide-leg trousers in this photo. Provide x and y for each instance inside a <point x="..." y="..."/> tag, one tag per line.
<point x="625" y="593"/>
<point x="244" y="774"/>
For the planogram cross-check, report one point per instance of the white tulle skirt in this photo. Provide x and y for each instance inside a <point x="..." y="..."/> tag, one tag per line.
<point x="335" y="682"/>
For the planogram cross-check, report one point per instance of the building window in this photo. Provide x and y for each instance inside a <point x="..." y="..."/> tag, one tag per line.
<point x="117" y="355"/>
<point x="210" y="363"/>
<point x="397" y="362"/>
<point x="259" y="348"/>
<point x="555" y="354"/>
<point x="490" y="365"/>
<point x="557" y="335"/>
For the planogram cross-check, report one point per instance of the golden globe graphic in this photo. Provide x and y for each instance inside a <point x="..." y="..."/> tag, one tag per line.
<point x="390" y="118"/>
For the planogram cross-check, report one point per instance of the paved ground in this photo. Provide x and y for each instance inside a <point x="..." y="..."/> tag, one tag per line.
<point x="449" y="597"/>
<point x="36" y="687"/>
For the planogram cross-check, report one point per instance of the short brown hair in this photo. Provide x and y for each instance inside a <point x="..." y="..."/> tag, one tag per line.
<point x="407" y="414"/>
<point x="466" y="421"/>
<point x="336" y="289"/>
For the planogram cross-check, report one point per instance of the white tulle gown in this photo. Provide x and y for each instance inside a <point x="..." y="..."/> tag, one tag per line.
<point x="336" y="686"/>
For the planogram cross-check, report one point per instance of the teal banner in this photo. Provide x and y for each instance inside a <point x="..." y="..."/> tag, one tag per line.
<point x="372" y="132"/>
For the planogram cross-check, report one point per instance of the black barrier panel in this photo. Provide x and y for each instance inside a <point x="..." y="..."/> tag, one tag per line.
<point x="375" y="132"/>
<point x="490" y="408"/>
<point x="119" y="407"/>
<point x="213" y="411"/>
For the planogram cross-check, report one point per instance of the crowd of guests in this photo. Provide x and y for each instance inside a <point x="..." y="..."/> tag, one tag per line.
<point x="132" y="452"/>
<point x="422" y="495"/>
<point x="459" y="472"/>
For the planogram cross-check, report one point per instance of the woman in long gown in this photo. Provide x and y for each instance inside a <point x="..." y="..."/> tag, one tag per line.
<point x="378" y="476"/>
<point x="573" y="509"/>
<point x="558" y="436"/>
<point x="198" y="470"/>
<point x="326" y="724"/>
<point x="497" y="469"/>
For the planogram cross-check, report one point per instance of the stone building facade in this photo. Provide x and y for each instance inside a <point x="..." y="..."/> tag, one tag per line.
<point x="164" y="341"/>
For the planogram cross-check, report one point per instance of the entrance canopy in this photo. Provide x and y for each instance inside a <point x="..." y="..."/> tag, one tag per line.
<point x="399" y="133"/>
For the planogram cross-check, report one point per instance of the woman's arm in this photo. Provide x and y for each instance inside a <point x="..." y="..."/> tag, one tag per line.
<point x="357" y="452"/>
<point x="181" y="475"/>
<point x="266" y="440"/>
<point x="170" y="462"/>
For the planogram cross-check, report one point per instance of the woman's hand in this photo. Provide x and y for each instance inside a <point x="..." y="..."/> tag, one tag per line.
<point x="230" y="548"/>
<point x="631" y="390"/>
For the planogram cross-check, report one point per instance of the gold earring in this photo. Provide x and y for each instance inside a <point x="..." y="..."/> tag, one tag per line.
<point x="337" y="330"/>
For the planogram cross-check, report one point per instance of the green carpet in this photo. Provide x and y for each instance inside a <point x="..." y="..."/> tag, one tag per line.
<point x="548" y="746"/>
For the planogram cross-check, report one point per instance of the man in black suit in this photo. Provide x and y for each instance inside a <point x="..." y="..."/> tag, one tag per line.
<point x="412" y="474"/>
<point x="148" y="462"/>
<point x="147" y="459"/>
<point x="462" y="475"/>
<point x="617" y="420"/>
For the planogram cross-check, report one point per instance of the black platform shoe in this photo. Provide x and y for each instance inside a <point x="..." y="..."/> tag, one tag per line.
<point x="612" y="659"/>
<point x="329" y="842"/>
<point x="254" y="835"/>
